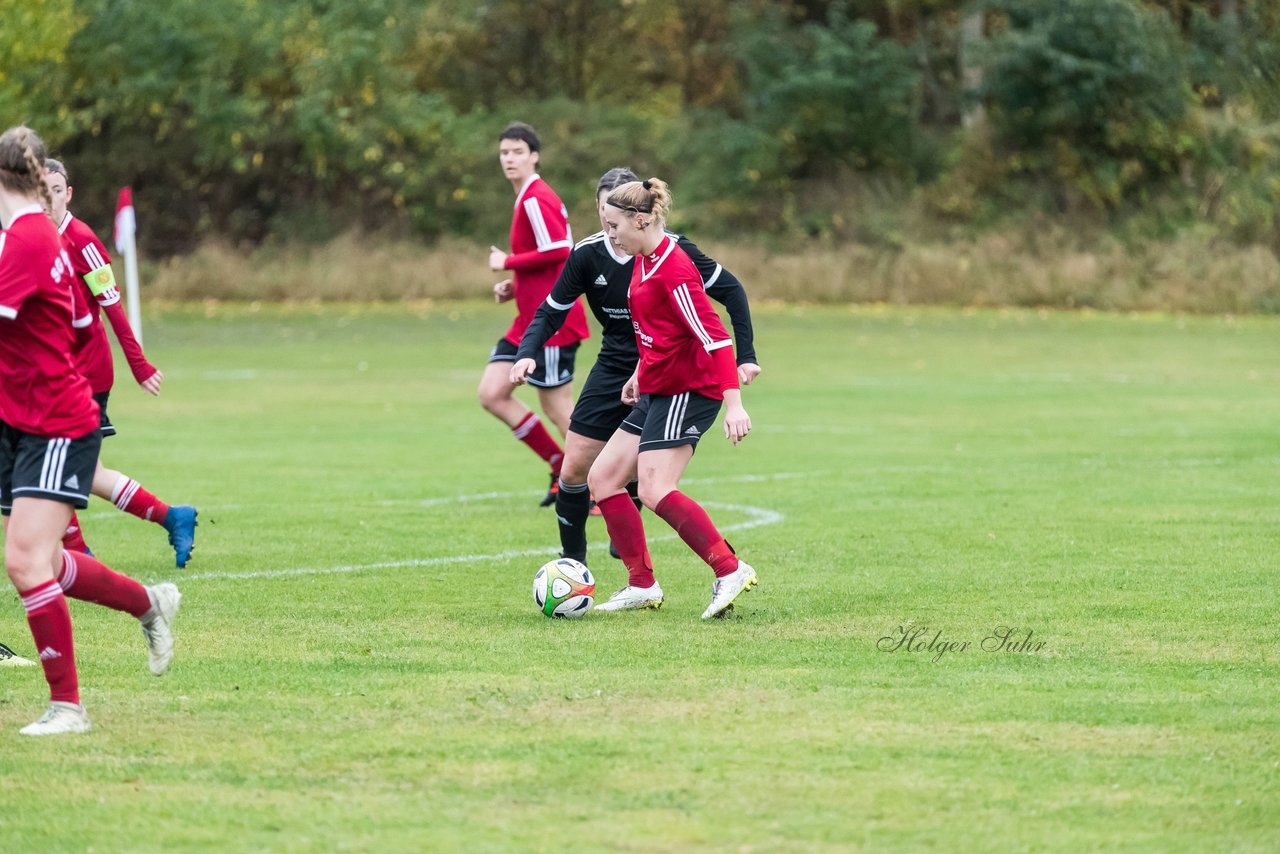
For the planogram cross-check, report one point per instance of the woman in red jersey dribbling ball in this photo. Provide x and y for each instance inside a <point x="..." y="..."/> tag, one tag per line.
<point x="686" y="372"/>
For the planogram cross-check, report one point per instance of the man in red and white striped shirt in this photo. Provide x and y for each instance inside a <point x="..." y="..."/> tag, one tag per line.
<point x="97" y="286"/>
<point x="540" y="242"/>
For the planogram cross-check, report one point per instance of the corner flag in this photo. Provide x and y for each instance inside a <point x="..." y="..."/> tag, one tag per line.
<point x="125" y="230"/>
<point x="126" y="223"/>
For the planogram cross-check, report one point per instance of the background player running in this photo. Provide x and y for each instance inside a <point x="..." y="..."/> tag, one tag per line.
<point x="540" y="243"/>
<point x="92" y="266"/>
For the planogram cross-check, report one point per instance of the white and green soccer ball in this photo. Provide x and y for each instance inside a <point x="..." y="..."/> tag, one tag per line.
<point x="563" y="588"/>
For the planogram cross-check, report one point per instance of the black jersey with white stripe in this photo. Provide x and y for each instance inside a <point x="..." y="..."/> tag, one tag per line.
<point x="599" y="272"/>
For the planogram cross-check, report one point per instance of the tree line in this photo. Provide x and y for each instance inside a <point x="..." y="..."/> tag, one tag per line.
<point x="252" y="121"/>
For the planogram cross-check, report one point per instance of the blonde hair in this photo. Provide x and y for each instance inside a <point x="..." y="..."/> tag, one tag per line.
<point x="22" y="156"/>
<point x="650" y="197"/>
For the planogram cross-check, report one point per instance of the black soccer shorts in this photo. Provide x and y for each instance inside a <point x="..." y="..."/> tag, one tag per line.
<point x="600" y="410"/>
<point x="667" y="422"/>
<point x="40" y="467"/>
<point x="555" y="364"/>
<point x="104" y="423"/>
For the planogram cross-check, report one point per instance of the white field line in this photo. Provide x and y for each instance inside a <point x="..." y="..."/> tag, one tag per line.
<point x="458" y="499"/>
<point x="759" y="516"/>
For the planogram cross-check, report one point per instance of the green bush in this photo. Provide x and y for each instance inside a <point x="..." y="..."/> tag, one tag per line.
<point x="820" y="100"/>
<point x="1235" y="59"/>
<point x="827" y="94"/>
<point x="1091" y="93"/>
<point x="33" y="43"/>
<point x="231" y="117"/>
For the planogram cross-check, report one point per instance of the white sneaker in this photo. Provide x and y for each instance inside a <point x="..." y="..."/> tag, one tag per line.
<point x="9" y="658"/>
<point x="632" y="598"/>
<point x="725" y="590"/>
<point x="58" y="719"/>
<point x="157" y="625"/>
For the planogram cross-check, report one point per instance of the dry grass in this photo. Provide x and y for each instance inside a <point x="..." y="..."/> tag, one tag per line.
<point x="351" y="268"/>
<point x="1195" y="273"/>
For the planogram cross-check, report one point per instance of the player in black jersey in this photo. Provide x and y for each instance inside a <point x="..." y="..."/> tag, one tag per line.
<point x="600" y="271"/>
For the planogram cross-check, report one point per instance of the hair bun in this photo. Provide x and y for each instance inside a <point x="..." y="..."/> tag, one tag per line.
<point x="646" y="184"/>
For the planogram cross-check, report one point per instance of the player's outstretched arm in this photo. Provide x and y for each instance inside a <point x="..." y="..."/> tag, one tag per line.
<point x="550" y="316"/>
<point x="144" y="373"/>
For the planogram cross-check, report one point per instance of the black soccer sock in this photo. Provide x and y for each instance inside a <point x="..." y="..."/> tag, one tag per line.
<point x="573" y="505"/>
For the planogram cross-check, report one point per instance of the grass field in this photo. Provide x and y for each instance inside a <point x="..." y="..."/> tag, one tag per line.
<point x="360" y="666"/>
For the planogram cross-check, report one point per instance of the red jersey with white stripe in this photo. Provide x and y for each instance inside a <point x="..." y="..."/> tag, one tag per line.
<point x="540" y="243"/>
<point x="97" y="286"/>
<point x="41" y="391"/>
<point x="677" y="330"/>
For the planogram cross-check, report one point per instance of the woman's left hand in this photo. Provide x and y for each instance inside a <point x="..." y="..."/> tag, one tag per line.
<point x="737" y="423"/>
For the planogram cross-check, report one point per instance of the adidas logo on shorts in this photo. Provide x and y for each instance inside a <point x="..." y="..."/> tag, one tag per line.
<point x="692" y="431"/>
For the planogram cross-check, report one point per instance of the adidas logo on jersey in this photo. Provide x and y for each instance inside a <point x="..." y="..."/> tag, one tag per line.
<point x="692" y="431"/>
<point x="49" y="653"/>
<point x="601" y="281"/>
<point x="72" y="482"/>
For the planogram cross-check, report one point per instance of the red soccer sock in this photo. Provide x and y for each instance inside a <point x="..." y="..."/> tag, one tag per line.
<point x="626" y="529"/>
<point x="130" y="497"/>
<point x="695" y="527"/>
<point x="87" y="579"/>
<point x="532" y="433"/>
<point x="50" y="622"/>
<point x="73" y="537"/>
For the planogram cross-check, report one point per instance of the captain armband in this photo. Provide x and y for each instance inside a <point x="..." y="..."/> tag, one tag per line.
<point x="100" y="280"/>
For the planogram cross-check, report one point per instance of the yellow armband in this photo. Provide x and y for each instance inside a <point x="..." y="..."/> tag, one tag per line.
<point x="100" y="280"/>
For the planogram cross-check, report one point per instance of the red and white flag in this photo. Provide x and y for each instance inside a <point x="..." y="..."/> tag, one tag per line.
<point x="126" y="223"/>
<point x="126" y="226"/>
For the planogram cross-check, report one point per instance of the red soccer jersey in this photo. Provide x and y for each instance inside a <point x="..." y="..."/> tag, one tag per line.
<point x="98" y="290"/>
<point x="41" y="392"/>
<point x="677" y="330"/>
<point x="540" y="243"/>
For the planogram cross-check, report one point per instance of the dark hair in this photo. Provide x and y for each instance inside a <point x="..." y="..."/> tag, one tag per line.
<point x="649" y="197"/>
<point x="615" y="178"/>
<point x="22" y="155"/>
<point x="522" y="132"/>
<point x="57" y="167"/>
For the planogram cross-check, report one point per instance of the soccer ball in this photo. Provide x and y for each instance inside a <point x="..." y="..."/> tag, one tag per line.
<point x="563" y="588"/>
